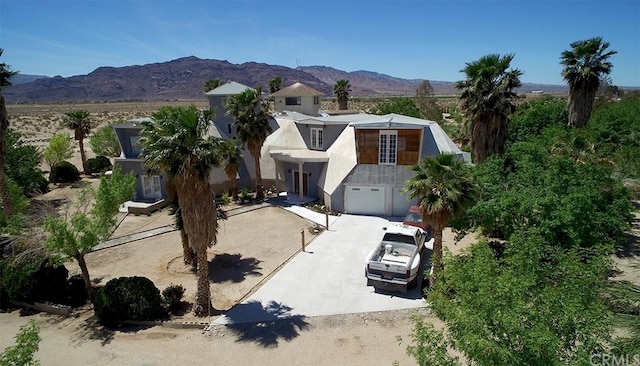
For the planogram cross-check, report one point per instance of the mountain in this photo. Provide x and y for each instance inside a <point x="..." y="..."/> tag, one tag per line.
<point x="183" y="79"/>
<point x="25" y="78"/>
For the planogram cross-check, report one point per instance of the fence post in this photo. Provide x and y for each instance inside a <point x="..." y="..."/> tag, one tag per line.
<point x="302" y="236"/>
<point x="326" y="220"/>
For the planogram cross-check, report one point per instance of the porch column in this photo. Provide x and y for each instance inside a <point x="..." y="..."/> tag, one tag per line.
<point x="301" y="182"/>
<point x="277" y="171"/>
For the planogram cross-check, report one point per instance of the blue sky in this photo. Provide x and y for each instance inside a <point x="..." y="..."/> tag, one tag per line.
<point x="409" y="39"/>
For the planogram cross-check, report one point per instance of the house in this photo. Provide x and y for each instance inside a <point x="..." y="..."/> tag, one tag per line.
<point x="217" y="102"/>
<point x="354" y="163"/>
<point x="297" y="98"/>
<point x="150" y="187"/>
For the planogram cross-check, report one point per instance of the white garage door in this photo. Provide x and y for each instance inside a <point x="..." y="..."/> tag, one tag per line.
<point x="364" y="200"/>
<point x="400" y="202"/>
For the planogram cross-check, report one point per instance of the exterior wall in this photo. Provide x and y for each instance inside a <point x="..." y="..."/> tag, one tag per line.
<point x="314" y="170"/>
<point x="124" y="138"/>
<point x="429" y="145"/>
<point x="135" y="165"/>
<point x="408" y="149"/>
<point x="329" y="134"/>
<point x="306" y="106"/>
<point x="221" y="120"/>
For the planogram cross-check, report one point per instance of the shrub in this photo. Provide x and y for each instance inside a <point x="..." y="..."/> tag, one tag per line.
<point x="32" y="279"/>
<point x="76" y="291"/>
<point x="99" y="164"/>
<point x="128" y="298"/>
<point x="173" y="296"/>
<point x="64" y="172"/>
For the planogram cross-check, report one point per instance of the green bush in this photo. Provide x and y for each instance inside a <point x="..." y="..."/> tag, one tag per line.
<point x="99" y="164"/>
<point x="76" y="291"/>
<point x="173" y="296"/>
<point x="128" y="298"/>
<point x="64" y="172"/>
<point x="33" y="279"/>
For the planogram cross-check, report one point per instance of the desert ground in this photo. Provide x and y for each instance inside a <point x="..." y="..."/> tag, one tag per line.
<point x="243" y="259"/>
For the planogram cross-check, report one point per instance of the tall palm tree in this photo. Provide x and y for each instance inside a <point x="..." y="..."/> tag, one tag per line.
<point x="252" y="123"/>
<point x="445" y="188"/>
<point x="175" y="142"/>
<point x="584" y="65"/>
<point x="487" y="100"/>
<point x="275" y="84"/>
<point x="79" y="122"/>
<point x="211" y="84"/>
<point x="341" y="89"/>
<point x="231" y="156"/>
<point x="5" y="199"/>
<point x="188" y="255"/>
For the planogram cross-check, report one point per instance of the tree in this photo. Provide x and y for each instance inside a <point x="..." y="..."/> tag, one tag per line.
<point x="211" y="84"/>
<point x="584" y="66"/>
<point x="341" y="89"/>
<point x="175" y="142"/>
<point x="487" y="95"/>
<point x="22" y="165"/>
<point x="399" y="105"/>
<point x="445" y="188"/>
<point x="427" y="102"/>
<point x="275" y="84"/>
<point x="252" y="124"/>
<point x="104" y="142"/>
<point x="5" y="199"/>
<point x="59" y="149"/>
<point x="231" y="156"/>
<point x="80" y="231"/>
<point x="27" y="344"/>
<point x="78" y="121"/>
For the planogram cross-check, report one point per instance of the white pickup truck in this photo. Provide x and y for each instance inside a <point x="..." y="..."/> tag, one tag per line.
<point x="394" y="263"/>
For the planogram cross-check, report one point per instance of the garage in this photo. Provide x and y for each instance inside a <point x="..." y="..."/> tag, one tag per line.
<point x="400" y="202"/>
<point x="364" y="200"/>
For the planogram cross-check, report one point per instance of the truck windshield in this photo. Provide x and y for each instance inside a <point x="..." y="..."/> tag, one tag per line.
<point x="398" y="238"/>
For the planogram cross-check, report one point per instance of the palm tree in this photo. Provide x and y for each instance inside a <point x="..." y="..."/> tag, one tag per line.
<point x="252" y="124"/>
<point x="78" y="121"/>
<point x="211" y="84"/>
<point x="188" y="255"/>
<point x="444" y="187"/>
<point x="584" y="65"/>
<point x="231" y="156"/>
<point x="275" y="84"/>
<point x="487" y="96"/>
<point x="5" y="199"/>
<point x="175" y="142"/>
<point x="341" y="89"/>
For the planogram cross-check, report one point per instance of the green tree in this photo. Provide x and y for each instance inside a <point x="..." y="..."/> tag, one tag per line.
<point x="341" y="89"/>
<point x="78" y="121"/>
<point x="252" y="123"/>
<point x="211" y="84"/>
<point x="584" y="65"/>
<point x="5" y="199"/>
<point x="82" y="229"/>
<point x="487" y="97"/>
<point x="104" y="142"/>
<point x="275" y="84"/>
<point x="444" y="187"/>
<point x="531" y="303"/>
<point x="399" y="105"/>
<point x="231" y="156"/>
<point x="427" y="103"/>
<point x="27" y="344"/>
<point x="176" y="142"/>
<point x="59" y="149"/>
<point x="22" y="165"/>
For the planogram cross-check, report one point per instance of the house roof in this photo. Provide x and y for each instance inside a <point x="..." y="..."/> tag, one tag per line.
<point x="300" y="118"/>
<point x="297" y="90"/>
<point x="230" y="88"/>
<point x="132" y="123"/>
<point x="300" y="155"/>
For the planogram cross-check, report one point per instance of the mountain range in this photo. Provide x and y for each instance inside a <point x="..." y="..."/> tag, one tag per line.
<point x="183" y="78"/>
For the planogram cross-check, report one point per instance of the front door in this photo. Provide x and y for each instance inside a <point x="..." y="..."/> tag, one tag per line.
<point x="305" y="183"/>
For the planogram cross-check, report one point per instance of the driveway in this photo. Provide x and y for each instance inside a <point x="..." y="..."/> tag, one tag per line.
<point x="327" y="279"/>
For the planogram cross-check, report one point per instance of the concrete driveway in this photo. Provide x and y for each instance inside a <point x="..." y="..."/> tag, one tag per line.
<point x="327" y="279"/>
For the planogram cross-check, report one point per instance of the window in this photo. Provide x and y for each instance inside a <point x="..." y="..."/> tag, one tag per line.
<point x="388" y="147"/>
<point x="293" y="100"/>
<point x="151" y="186"/>
<point x="316" y="138"/>
<point x="316" y="100"/>
<point x="135" y="147"/>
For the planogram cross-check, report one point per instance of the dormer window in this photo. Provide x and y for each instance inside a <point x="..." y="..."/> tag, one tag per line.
<point x="293" y="100"/>
<point x="316" y="138"/>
